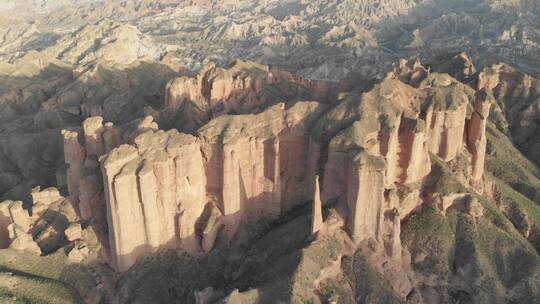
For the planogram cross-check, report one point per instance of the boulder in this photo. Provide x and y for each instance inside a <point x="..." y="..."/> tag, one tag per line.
<point x="15" y="224"/>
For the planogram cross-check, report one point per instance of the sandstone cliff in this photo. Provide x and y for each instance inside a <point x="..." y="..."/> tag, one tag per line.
<point x="157" y="189"/>
<point x="516" y="110"/>
<point x="167" y="189"/>
<point x="243" y="88"/>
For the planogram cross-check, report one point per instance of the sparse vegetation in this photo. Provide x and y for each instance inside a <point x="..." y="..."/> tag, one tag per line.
<point x="28" y="278"/>
<point x="508" y="165"/>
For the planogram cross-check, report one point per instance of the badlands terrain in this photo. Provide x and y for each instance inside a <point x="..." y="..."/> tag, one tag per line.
<point x="238" y="151"/>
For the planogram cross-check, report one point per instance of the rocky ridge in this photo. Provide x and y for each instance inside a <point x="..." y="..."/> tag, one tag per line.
<point x="318" y="40"/>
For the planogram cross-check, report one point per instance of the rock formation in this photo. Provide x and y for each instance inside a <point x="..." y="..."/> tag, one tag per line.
<point x="162" y="191"/>
<point x="242" y="88"/>
<point x="516" y="110"/>
<point x="241" y="145"/>
<point x="459" y="66"/>
<point x="74" y="154"/>
<point x="15" y="225"/>
<point x="82" y="149"/>
<point x="189" y="191"/>
<point x="165" y="180"/>
<point x="317" y="216"/>
<point x="48" y="228"/>
<point x="476" y="133"/>
<point x="42" y="200"/>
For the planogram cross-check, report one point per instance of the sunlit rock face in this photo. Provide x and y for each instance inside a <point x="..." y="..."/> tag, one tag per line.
<point x="316" y="213"/>
<point x="476" y="133"/>
<point x="377" y="148"/>
<point x="242" y="88"/>
<point x="163" y="146"/>
<point x="154" y="196"/>
<point x="188" y="191"/>
<point x="15" y="224"/>
<point x="158" y="189"/>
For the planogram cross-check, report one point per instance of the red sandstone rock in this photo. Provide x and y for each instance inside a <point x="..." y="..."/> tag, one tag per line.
<point x="162" y="191"/>
<point x="241" y="88"/>
<point x="316" y="217"/>
<point x="365" y="196"/>
<point x="476" y="134"/>
<point x="163" y="181"/>
<point x="168" y="189"/>
<point x="445" y="133"/>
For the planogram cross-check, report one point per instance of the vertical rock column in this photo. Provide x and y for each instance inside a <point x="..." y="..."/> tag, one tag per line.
<point x="389" y="146"/>
<point x="90" y="184"/>
<point x="445" y="131"/>
<point x="190" y="187"/>
<point x="414" y="163"/>
<point x="131" y="228"/>
<point x="165" y="179"/>
<point x="117" y="214"/>
<point x="74" y="155"/>
<point x="476" y="133"/>
<point x="317" y="217"/>
<point x="151" y="209"/>
<point x="272" y="179"/>
<point x="155" y="194"/>
<point x="93" y="132"/>
<point x="452" y="138"/>
<point x="293" y="156"/>
<point x="111" y="138"/>
<point x="365" y="196"/>
<point x="231" y="183"/>
<point x="251" y="181"/>
<point x="392" y="226"/>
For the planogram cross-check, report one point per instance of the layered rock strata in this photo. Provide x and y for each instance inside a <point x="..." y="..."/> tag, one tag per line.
<point x="49" y="224"/>
<point x="476" y="133"/>
<point x="316" y="216"/>
<point x="371" y="151"/>
<point x="166" y="180"/>
<point x="244" y="87"/>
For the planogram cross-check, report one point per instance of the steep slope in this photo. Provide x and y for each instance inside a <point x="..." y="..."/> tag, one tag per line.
<point x="106" y="42"/>
<point x="518" y="103"/>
